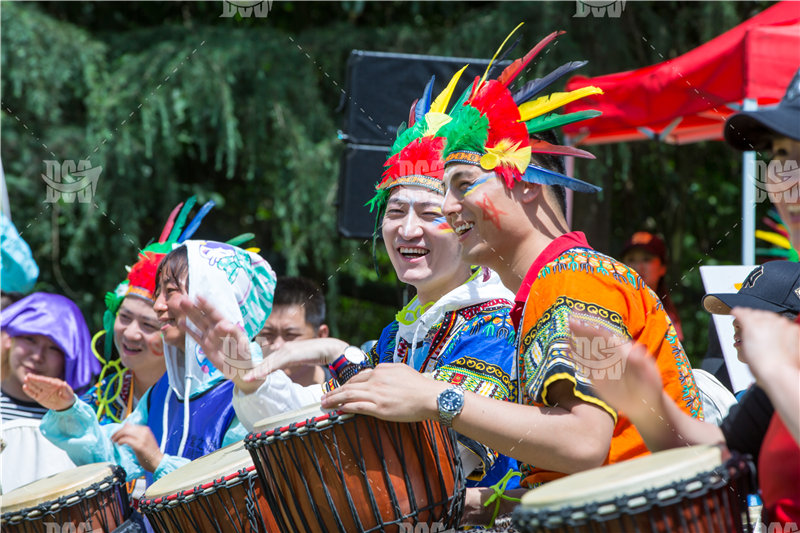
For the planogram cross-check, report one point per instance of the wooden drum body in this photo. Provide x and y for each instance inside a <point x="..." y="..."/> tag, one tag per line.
<point x="347" y="473"/>
<point x="218" y="492"/>
<point x="90" y="497"/>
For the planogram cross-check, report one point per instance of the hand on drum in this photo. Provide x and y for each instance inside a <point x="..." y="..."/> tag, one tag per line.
<point x="142" y="442"/>
<point x="391" y="391"/>
<point x="224" y="343"/>
<point x="318" y="351"/>
<point x="637" y="388"/>
<point x="52" y="393"/>
<point x="770" y="343"/>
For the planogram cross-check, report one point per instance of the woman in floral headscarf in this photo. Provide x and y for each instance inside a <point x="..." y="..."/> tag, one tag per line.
<point x="188" y="413"/>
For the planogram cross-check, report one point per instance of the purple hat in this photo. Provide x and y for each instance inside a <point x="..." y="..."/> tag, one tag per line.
<point x="57" y="317"/>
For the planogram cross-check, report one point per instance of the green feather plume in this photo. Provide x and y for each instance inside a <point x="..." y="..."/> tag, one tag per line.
<point x="547" y="122"/>
<point x="468" y="130"/>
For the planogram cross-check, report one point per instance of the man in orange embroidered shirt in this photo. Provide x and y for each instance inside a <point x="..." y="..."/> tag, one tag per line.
<point x="506" y="202"/>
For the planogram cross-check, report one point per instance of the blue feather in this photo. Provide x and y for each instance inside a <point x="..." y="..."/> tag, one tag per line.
<point x="542" y="176"/>
<point x="195" y="223"/>
<point x="533" y="88"/>
<point x="424" y="103"/>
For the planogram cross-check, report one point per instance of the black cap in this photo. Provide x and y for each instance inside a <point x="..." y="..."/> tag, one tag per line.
<point x="773" y="286"/>
<point x="754" y="130"/>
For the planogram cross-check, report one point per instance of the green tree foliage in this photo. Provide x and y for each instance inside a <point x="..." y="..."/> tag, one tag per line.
<point x="172" y="100"/>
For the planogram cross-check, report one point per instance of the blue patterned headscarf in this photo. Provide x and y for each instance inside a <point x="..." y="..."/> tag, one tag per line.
<point x="240" y="285"/>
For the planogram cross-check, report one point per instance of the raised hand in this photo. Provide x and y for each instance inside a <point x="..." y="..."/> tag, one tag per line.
<point x="623" y="374"/>
<point x="770" y="343"/>
<point x="319" y="351"/>
<point x="224" y="343"/>
<point x="52" y="393"/>
<point x="142" y="442"/>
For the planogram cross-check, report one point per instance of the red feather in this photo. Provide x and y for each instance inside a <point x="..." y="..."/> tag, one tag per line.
<point x="513" y="70"/>
<point x="544" y="147"/>
<point x="143" y="273"/>
<point x="421" y="156"/>
<point x="496" y="103"/>
<point x="412" y="113"/>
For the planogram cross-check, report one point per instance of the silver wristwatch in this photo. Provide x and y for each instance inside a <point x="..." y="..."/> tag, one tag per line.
<point x="450" y="402"/>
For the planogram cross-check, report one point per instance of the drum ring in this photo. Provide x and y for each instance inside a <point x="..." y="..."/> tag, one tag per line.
<point x="737" y="467"/>
<point x="52" y="506"/>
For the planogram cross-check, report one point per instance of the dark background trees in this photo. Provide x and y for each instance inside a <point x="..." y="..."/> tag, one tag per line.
<point x="173" y="100"/>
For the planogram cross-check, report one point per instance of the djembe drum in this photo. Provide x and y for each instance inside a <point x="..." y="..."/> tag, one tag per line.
<point x="218" y="492"/>
<point x="689" y="490"/>
<point x="348" y="473"/>
<point x="89" y="498"/>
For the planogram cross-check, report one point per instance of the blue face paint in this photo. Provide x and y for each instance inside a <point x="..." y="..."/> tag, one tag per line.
<point x="477" y="183"/>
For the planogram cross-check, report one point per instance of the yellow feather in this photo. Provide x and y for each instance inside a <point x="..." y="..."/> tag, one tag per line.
<point x="508" y="153"/>
<point x="489" y="66"/>
<point x="774" y="238"/>
<point x="549" y="102"/>
<point x="434" y="121"/>
<point x="439" y="104"/>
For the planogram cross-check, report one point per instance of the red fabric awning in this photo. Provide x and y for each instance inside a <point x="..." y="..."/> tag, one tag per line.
<point x="688" y="98"/>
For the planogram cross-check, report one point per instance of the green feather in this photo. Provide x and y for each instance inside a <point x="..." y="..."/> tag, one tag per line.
<point x="407" y="135"/>
<point x="181" y="220"/>
<point x="241" y="239"/>
<point x="468" y="130"/>
<point x="460" y="103"/>
<point x="547" y="122"/>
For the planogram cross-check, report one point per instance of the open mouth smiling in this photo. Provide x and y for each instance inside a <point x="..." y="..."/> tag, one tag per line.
<point x="462" y="228"/>
<point x="412" y="252"/>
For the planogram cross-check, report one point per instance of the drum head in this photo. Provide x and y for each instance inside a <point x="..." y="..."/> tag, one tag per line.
<point x="628" y="478"/>
<point x="55" y="486"/>
<point x="207" y="469"/>
<point x="284" y="419"/>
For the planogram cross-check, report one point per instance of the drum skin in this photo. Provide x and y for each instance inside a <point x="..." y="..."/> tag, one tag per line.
<point x="710" y="501"/>
<point x="353" y="473"/>
<point x="100" y="505"/>
<point x="210" y="502"/>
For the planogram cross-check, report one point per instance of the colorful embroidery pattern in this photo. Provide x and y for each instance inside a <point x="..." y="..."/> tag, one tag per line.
<point x="597" y="289"/>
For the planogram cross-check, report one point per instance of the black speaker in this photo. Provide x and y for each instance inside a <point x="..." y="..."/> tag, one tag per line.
<point x="380" y="87"/>
<point x="379" y="90"/>
<point x="361" y="169"/>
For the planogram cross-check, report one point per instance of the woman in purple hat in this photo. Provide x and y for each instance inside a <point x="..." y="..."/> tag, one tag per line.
<point x="43" y="334"/>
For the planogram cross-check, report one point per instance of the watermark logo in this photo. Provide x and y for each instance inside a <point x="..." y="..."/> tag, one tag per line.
<point x="71" y="527"/>
<point x="778" y="181"/>
<point x="67" y="180"/>
<point x="776" y="527"/>
<point x="598" y="357"/>
<point x="422" y="527"/>
<point x="599" y="8"/>
<point x="246" y="8"/>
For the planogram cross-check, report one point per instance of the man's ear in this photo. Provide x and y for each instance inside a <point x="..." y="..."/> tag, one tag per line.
<point x="529" y="192"/>
<point x="323" y="331"/>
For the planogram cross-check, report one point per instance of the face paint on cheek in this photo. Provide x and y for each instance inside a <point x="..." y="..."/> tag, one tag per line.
<point x="441" y="225"/>
<point x="490" y="212"/>
<point x="478" y="183"/>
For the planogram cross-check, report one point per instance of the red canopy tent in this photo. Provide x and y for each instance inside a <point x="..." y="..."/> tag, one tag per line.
<point x="688" y="98"/>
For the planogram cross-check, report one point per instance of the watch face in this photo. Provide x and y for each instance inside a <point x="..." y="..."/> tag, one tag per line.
<point x="354" y="355"/>
<point x="450" y="400"/>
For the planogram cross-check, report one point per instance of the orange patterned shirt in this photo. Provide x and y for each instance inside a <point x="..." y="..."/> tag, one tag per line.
<point x="599" y="290"/>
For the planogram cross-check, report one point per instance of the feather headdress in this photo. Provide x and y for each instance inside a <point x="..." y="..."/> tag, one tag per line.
<point x="491" y="127"/>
